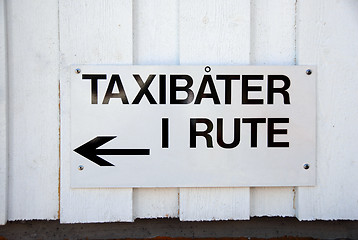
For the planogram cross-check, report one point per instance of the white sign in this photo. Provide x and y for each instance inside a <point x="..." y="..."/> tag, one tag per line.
<point x="192" y="126"/>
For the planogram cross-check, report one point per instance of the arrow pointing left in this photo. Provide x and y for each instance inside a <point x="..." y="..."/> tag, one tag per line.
<point x="90" y="150"/>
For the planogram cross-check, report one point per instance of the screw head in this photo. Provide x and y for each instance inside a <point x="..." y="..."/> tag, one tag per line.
<point x="81" y="167"/>
<point x="306" y="166"/>
<point x="78" y="70"/>
<point x="308" y="71"/>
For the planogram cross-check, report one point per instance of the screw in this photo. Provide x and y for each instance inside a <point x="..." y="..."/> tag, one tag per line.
<point x="308" y="71"/>
<point x="81" y="167"/>
<point x="207" y="69"/>
<point x="306" y="166"/>
<point x="78" y="70"/>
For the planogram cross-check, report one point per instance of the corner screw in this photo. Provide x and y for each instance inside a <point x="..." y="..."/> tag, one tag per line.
<point x="81" y="167"/>
<point x="78" y="70"/>
<point x="308" y="71"/>
<point x="306" y="166"/>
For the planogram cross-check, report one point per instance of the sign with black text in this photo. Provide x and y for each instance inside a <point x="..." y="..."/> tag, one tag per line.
<point x="193" y="126"/>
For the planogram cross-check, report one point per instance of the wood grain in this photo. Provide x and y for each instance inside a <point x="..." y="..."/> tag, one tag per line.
<point x="328" y="38"/>
<point x="155" y="202"/>
<point x="33" y="61"/>
<point x="155" y="32"/>
<point x="96" y="32"/>
<point x="272" y="201"/>
<point x="212" y="204"/>
<point x="214" y="32"/>
<point x="273" y="39"/>
<point x="155" y="42"/>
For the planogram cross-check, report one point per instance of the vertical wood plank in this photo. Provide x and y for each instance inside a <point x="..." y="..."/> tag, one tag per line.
<point x="273" y="32"/>
<point x="155" y="202"/>
<point x="210" y="204"/>
<point x="214" y="32"/>
<point x="155" y="42"/>
<point x="3" y="117"/>
<point x="32" y="29"/>
<point x="273" y="43"/>
<point x="328" y="38"/>
<point x="272" y="201"/>
<point x="96" y="32"/>
<point x="155" y="32"/>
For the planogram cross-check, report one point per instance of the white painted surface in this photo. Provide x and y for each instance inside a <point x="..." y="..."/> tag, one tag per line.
<point x="213" y="204"/>
<point x="272" y="201"/>
<point x="155" y="41"/>
<point x="155" y="32"/>
<point x="155" y="202"/>
<point x="328" y="37"/>
<point x="91" y="32"/>
<point x="3" y="118"/>
<point x="273" y="43"/>
<point x="273" y="32"/>
<point x="33" y="61"/>
<point x="214" y="32"/>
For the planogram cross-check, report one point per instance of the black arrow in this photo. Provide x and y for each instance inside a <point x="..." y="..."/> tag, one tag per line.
<point x="89" y="150"/>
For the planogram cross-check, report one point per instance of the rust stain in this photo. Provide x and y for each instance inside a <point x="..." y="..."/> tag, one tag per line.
<point x="59" y="151"/>
<point x="179" y="203"/>
<point x="294" y="198"/>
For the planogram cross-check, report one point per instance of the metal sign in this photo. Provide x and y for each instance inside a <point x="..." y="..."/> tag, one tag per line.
<point x="192" y="126"/>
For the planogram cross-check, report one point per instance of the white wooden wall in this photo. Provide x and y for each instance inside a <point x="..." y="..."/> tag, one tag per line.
<point x="40" y="39"/>
<point x="3" y="118"/>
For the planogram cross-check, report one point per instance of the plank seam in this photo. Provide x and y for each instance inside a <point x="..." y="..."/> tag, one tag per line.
<point x="6" y="116"/>
<point x="59" y="111"/>
<point x="252" y="24"/>
<point x="295" y="37"/>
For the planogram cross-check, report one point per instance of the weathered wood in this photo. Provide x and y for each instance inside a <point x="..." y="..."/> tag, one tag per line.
<point x="272" y="201"/>
<point x="3" y="118"/>
<point x="273" y="33"/>
<point x="155" y="202"/>
<point x="327" y="37"/>
<point x="33" y="60"/>
<point x="214" y="32"/>
<point x="210" y="204"/>
<point x="155" y="42"/>
<point x="95" y="32"/>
